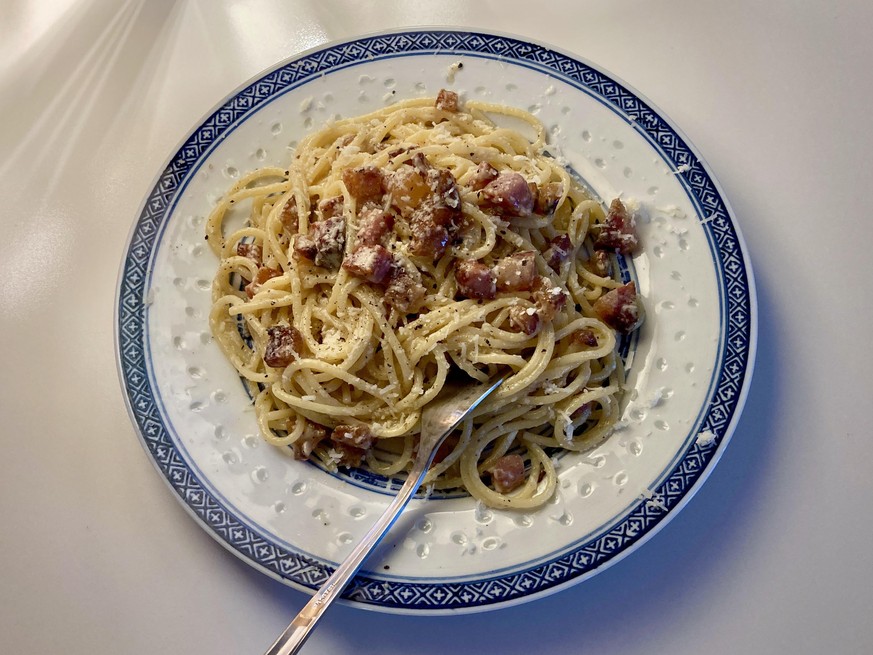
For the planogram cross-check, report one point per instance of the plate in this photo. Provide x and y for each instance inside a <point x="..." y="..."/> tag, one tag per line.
<point x="688" y="371"/>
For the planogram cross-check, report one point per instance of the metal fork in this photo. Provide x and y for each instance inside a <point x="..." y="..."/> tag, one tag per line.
<point x="438" y="419"/>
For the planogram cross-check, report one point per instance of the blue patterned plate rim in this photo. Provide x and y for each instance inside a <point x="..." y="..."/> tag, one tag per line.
<point x="493" y="589"/>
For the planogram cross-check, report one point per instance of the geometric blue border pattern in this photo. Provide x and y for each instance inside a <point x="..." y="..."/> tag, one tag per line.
<point x="409" y="596"/>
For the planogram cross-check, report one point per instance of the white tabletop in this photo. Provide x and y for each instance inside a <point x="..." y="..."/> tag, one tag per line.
<point x="774" y="553"/>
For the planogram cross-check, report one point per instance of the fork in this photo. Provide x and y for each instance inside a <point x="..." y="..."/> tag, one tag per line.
<point x="438" y="419"/>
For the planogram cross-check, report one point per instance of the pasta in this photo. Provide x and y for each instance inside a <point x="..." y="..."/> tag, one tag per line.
<point x="406" y="245"/>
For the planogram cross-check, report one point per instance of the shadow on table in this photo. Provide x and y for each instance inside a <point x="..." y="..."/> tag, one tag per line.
<point x="630" y="605"/>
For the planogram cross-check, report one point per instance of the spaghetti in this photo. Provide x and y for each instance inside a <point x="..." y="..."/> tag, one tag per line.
<point x="406" y="243"/>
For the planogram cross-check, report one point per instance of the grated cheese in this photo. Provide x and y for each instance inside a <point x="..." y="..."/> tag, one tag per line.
<point x="705" y="438"/>
<point x="452" y="70"/>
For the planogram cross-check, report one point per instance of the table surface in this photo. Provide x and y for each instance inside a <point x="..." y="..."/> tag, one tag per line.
<point x="774" y="553"/>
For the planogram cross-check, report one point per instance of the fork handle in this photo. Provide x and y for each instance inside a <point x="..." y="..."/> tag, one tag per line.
<point x="295" y="634"/>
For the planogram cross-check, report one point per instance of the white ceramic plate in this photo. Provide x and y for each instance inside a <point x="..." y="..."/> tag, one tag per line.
<point x="688" y="371"/>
